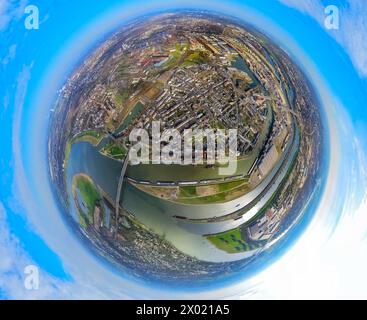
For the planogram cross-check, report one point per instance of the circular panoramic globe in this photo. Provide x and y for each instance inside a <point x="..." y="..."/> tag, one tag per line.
<point x="185" y="146"/>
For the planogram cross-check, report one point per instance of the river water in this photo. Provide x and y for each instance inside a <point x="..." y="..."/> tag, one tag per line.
<point x="153" y="212"/>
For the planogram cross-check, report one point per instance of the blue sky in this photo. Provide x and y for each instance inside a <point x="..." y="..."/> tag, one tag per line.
<point x="35" y="63"/>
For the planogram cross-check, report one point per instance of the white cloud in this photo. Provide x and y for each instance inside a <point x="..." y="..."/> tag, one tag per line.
<point x="12" y="263"/>
<point x="4" y="16"/>
<point x="12" y="277"/>
<point x="10" y="55"/>
<point x="352" y="34"/>
<point x="9" y="10"/>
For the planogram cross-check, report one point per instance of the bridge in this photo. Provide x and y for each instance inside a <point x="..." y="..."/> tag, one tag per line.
<point x="119" y="187"/>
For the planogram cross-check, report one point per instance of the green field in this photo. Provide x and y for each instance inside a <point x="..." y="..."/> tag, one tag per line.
<point x="196" y="57"/>
<point x="189" y="194"/>
<point x="231" y="241"/>
<point x="229" y="185"/>
<point x="176" y="55"/>
<point x="84" y="187"/>
<point x="114" y="151"/>
<point x="188" y="191"/>
<point x="121" y="97"/>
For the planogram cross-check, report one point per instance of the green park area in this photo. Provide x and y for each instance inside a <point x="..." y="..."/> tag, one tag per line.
<point x="86" y="196"/>
<point x="121" y="97"/>
<point x="183" y="55"/>
<point x="231" y="241"/>
<point x="176" y="55"/>
<point x="114" y="150"/>
<point x="196" y="57"/>
<point x="219" y="192"/>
